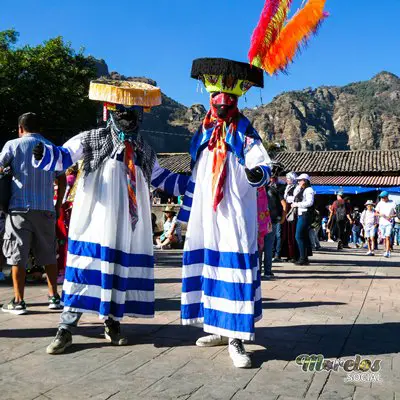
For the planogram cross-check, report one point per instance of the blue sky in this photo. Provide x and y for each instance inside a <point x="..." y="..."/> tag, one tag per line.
<point x="160" y="38"/>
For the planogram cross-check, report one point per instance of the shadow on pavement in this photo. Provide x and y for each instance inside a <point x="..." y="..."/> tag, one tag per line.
<point x="286" y="343"/>
<point x="280" y="343"/>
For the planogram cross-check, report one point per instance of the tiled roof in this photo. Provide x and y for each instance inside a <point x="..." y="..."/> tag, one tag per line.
<point x="340" y="166"/>
<point x="346" y="162"/>
<point x="355" y="180"/>
<point x="175" y="162"/>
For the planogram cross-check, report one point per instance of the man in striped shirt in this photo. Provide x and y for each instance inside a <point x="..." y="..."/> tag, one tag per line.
<point x="31" y="220"/>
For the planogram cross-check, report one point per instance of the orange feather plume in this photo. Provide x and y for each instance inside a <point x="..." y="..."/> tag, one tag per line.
<point x="295" y="34"/>
<point x="268" y="29"/>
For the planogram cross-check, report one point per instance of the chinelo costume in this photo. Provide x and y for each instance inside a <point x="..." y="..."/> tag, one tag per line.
<point x="221" y="280"/>
<point x="110" y="247"/>
<point x="221" y="277"/>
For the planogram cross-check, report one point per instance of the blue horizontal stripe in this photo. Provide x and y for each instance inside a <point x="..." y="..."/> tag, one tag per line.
<point x="95" y="250"/>
<point x="107" y="281"/>
<point x="108" y="307"/>
<point x="220" y="259"/>
<point x="160" y="178"/>
<point x="228" y="321"/>
<point x="182" y="183"/>
<point x="226" y="290"/>
<point x="169" y="185"/>
<point x="190" y="187"/>
<point x="66" y="158"/>
<point x="188" y="201"/>
<point x="183" y="215"/>
<point x="191" y="311"/>
<point x="193" y="283"/>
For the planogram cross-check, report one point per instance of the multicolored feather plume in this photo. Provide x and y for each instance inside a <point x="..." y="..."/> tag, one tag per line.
<point x="274" y="46"/>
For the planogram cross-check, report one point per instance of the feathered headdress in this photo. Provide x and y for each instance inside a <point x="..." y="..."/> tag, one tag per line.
<point x="274" y="44"/>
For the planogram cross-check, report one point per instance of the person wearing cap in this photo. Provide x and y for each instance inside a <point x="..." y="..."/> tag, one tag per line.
<point x="386" y="211"/>
<point x="289" y="245"/>
<point x="303" y="203"/>
<point x="172" y="230"/>
<point x="369" y="221"/>
<point x="341" y="212"/>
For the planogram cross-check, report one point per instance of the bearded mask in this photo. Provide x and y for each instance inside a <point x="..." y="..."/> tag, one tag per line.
<point x="127" y="119"/>
<point x="223" y="105"/>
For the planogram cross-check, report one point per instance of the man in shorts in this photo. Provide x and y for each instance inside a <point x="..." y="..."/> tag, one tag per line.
<point x="31" y="219"/>
<point x="386" y="211"/>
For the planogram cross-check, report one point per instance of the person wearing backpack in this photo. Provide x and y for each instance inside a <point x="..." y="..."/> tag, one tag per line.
<point x="341" y="212"/>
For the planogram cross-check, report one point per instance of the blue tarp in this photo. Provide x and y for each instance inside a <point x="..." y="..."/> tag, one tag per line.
<point x="319" y="189"/>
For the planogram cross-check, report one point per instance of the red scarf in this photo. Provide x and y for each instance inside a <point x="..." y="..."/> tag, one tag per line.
<point x="218" y="146"/>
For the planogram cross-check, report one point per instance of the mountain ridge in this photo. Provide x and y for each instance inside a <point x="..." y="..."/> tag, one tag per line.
<point x="362" y="115"/>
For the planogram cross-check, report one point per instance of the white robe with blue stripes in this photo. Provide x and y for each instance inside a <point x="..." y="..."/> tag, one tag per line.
<point x="221" y="279"/>
<point x="109" y="266"/>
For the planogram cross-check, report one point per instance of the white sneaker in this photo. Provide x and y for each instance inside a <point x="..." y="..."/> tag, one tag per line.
<point x="388" y="254"/>
<point x="385" y="254"/>
<point x="212" y="340"/>
<point x="331" y="241"/>
<point x="369" y="253"/>
<point x="238" y="354"/>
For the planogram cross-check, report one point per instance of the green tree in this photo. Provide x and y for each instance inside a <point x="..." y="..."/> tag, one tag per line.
<point x="50" y="79"/>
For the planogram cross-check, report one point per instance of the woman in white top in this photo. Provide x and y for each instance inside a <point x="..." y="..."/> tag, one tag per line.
<point x="303" y="202"/>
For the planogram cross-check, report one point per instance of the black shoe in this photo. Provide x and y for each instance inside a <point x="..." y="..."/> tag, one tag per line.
<point x="112" y="332"/>
<point x="302" y="262"/>
<point x="269" y="277"/>
<point x="62" y="340"/>
<point x="15" y="308"/>
<point x="277" y="259"/>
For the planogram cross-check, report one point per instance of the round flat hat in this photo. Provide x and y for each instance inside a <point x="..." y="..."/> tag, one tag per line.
<point x="227" y="76"/>
<point x="127" y="93"/>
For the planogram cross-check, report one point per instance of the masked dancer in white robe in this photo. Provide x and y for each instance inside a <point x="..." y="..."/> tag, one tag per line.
<point x="221" y="279"/>
<point x="110" y="247"/>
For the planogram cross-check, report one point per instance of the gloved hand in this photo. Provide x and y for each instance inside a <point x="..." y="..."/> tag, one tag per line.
<point x="38" y="151"/>
<point x="254" y="175"/>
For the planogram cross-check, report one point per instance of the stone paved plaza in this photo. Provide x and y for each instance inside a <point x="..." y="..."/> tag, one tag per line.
<point x="344" y="304"/>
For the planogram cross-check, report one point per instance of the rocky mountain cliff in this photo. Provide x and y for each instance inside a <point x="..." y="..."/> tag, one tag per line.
<point x="362" y="115"/>
<point x="359" y="116"/>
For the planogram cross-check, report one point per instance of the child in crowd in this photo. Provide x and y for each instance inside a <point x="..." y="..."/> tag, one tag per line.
<point x="172" y="230"/>
<point x="314" y="231"/>
<point x="369" y="221"/>
<point x="356" y="228"/>
<point x="324" y="227"/>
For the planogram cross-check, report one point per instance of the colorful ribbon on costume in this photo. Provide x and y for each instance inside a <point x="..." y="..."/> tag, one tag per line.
<point x="219" y="148"/>
<point x="129" y="160"/>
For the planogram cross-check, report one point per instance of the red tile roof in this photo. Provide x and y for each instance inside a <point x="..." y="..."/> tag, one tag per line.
<point x="333" y="168"/>
<point x="330" y="180"/>
<point x="345" y="162"/>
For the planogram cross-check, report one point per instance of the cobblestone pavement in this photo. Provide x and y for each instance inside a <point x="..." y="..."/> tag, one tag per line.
<point x="342" y="305"/>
